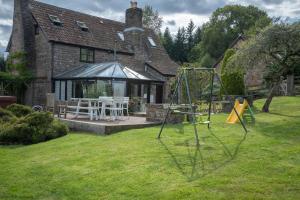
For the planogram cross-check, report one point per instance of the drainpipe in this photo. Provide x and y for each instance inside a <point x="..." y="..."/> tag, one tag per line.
<point x="115" y="51"/>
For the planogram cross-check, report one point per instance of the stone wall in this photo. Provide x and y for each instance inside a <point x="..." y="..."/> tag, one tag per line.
<point x="67" y="57"/>
<point x="157" y="113"/>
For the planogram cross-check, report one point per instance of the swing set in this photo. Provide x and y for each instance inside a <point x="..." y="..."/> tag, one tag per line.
<point x="195" y="86"/>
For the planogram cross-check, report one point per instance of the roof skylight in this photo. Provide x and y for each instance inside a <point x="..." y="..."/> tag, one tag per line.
<point x="121" y="36"/>
<point x="151" y="41"/>
<point x="82" y="25"/>
<point x="55" y="20"/>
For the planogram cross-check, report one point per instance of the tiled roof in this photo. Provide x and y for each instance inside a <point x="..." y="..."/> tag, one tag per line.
<point x="102" y="34"/>
<point x="235" y="41"/>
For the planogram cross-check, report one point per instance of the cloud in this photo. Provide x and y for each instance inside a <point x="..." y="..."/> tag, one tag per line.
<point x="277" y="1"/>
<point x="296" y="12"/>
<point x="171" y="23"/>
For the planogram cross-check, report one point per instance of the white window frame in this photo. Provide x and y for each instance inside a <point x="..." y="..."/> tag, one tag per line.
<point x="152" y="42"/>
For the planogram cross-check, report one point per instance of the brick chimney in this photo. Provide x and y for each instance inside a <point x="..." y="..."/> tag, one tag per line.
<point x="23" y="37"/>
<point x="134" y="32"/>
<point x="23" y="28"/>
<point x="134" y="16"/>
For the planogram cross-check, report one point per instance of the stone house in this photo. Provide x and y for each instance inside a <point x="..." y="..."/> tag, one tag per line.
<point x="59" y="42"/>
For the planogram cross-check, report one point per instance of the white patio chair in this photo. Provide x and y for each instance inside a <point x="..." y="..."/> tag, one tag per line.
<point x="108" y="104"/>
<point x="126" y="105"/>
<point x="119" y="105"/>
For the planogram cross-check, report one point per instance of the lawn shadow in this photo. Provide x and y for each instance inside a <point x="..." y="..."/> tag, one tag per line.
<point x="284" y="115"/>
<point x="2" y="146"/>
<point x="202" y="160"/>
<point x="286" y="130"/>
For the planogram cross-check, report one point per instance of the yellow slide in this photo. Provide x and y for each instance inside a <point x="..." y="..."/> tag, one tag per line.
<point x="240" y="109"/>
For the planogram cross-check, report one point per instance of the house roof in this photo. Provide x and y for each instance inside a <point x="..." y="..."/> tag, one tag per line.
<point x="101" y="34"/>
<point x="109" y="70"/>
<point x="235" y="42"/>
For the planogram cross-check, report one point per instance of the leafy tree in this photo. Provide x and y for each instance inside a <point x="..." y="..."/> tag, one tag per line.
<point x="14" y="79"/>
<point x="151" y="19"/>
<point x="226" y="24"/>
<point x="195" y="53"/>
<point x="168" y="42"/>
<point x="207" y="61"/>
<point x="278" y="47"/>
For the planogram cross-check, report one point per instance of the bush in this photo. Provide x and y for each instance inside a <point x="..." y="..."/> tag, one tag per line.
<point x="31" y="129"/>
<point x="6" y="116"/>
<point x="19" y="110"/>
<point x="232" y="77"/>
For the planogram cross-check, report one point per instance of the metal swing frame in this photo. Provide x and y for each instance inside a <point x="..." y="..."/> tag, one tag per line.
<point x="183" y="77"/>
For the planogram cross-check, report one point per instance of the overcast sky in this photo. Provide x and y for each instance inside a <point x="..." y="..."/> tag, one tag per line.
<point x="175" y="13"/>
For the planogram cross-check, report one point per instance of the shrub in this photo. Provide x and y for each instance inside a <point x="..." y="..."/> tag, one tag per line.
<point x="6" y="116"/>
<point x="58" y="129"/>
<point x="31" y="129"/>
<point x="19" y="110"/>
<point x="232" y="77"/>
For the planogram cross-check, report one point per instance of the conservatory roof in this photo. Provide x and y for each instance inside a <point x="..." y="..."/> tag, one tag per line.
<point x="114" y="70"/>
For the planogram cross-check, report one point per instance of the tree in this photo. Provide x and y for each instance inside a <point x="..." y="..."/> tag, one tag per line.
<point x="278" y="47"/>
<point x="2" y="62"/>
<point x="180" y="49"/>
<point x="168" y="42"/>
<point x="197" y="36"/>
<point x="232" y="77"/>
<point x="190" y="36"/>
<point x="151" y="19"/>
<point x="15" y="78"/>
<point x="226" y="24"/>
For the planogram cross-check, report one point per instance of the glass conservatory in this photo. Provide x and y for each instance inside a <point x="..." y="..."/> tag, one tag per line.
<point x="107" y="79"/>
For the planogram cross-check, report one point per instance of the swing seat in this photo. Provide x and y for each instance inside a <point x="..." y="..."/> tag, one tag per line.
<point x="187" y="113"/>
<point x="204" y="122"/>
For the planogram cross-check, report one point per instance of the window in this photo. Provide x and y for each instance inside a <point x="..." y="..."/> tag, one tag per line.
<point x="121" y="36"/>
<point x="55" y="20"/>
<point x="36" y="29"/>
<point x="82" y="26"/>
<point x="151" y="41"/>
<point x="87" y="55"/>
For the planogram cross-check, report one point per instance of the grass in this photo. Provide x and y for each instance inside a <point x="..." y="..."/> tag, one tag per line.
<point x="263" y="164"/>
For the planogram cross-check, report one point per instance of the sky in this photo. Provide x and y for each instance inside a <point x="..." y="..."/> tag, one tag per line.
<point x="175" y="13"/>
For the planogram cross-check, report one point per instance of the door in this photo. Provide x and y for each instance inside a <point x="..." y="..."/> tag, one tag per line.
<point x="159" y="93"/>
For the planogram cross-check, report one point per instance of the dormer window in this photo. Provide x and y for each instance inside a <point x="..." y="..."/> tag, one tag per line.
<point x="121" y="36"/>
<point x="82" y="26"/>
<point x="151" y="41"/>
<point x="55" y="20"/>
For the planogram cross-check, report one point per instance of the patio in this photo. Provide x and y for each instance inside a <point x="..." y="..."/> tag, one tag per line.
<point x="101" y="127"/>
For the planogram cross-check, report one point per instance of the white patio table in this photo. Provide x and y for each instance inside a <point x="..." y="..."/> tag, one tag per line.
<point x="89" y="105"/>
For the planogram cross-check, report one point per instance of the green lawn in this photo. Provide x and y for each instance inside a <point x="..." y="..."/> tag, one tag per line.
<point x="264" y="164"/>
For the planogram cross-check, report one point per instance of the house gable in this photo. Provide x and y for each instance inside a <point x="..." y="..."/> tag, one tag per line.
<point x="101" y="34"/>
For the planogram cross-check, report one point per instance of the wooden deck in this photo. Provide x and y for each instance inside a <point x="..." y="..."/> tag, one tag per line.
<point x="101" y="127"/>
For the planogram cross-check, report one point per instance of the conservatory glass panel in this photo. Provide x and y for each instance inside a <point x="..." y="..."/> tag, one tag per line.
<point x="153" y="94"/>
<point x="62" y="90"/>
<point x="108" y="72"/>
<point x="118" y="72"/>
<point x="103" y="88"/>
<point x="119" y="88"/>
<point x="57" y="87"/>
<point x="69" y="90"/>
